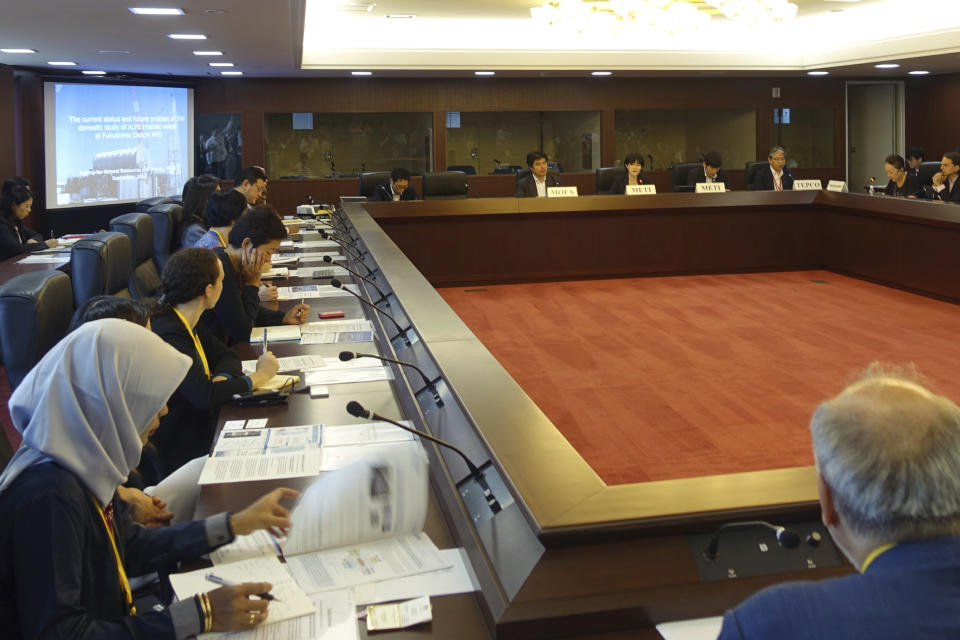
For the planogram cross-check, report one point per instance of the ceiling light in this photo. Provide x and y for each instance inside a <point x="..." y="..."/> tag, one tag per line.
<point x="62" y="63"/>
<point x="216" y="11"/>
<point x="116" y="51"/>
<point x="94" y="73"/>
<point x="361" y="73"/>
<point x="186" y="36"/>
<point x="156" y="11"/>
<point x="401" y="16"/>
<point x="886" y="65"/>
<point x="221" y="64"/>
<point x="622" y="16"/>
<point x="484" y="73"/>
<point x="818" y="73"/>
<point x="231" y="73"/>
<point x="18" y="50"/>
<point x="918" y="72"/>
<point x="601" y="73"/>
<point x="208" y="53"/>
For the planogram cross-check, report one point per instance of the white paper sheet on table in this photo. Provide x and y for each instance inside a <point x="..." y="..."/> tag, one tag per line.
<point x="308" y="291"/>
<point x="697" y="629"/>
<point x="268" y="441"/>
<point x="457" y="578"/>
<point x="319" y="272"/>
<point x="55" y="258"/>
<point x="333" y="458"/>
<point x="366" y="433"/>
<point x="276" y="272"/>
<point x="279" y="333"/>
<point x="259" y="543"/>
<point x="265" y="467"/>
<point x="317" y="256"/>
<point x="289" y="363"/>
<point x="283" y="258"/>
<point x="334" y="618"/>
<point x="336" y="325"/>
<point x="316" y="244"/>
<point x="328" y="376"/>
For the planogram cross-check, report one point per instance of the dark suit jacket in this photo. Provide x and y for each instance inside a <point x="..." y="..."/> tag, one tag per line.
<point x="238" y="310"/>
<point x="911" y="187"/>
<point x="619" y="184"/>
<point x="947" y="195"/>
<point x="910" y="591"/>
<point x="527" y="186"/>
<point x="763" y="179"/>
<point x="14" y="237"/>
<point x="384" y="193"/>
<point x="699" y="175"/>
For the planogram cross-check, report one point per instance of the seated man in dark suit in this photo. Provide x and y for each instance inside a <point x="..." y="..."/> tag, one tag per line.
<point x="887" y="452"/>
<point x="397" y="189"/>
<point x="536" y="183"/>
<point x="946" y="185"/>
<point x="711" y="171"/>
<point x="914" y="160"/>
<point x="778" y="177"/>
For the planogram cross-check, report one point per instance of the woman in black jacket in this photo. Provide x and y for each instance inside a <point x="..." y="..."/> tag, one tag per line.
<point x="15" y="237"/>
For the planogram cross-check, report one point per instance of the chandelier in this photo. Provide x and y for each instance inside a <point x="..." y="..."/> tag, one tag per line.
<point x="673" y="15"/>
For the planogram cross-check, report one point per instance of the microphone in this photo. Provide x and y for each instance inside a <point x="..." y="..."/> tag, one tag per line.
<point x="786" y="537"/>
<point x="340" y="241"/>
<point x="334" y="282"/>
<point x="357" y="410"/>
<point x="383" y="296"/>
<point x="346" y="356"/>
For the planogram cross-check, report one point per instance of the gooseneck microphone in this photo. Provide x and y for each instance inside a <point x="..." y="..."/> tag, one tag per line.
<point x="343" y="245"/>
<point x="383" y="296"/>
<point x="346" y="356"/>
<point x="336" y="238"/>
<point x="786" y="537"/>
<point x="357" y="410"/>
<point x="334" y="282"/>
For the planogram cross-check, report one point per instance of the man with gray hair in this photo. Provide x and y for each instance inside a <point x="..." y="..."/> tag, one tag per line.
<point x="888" y="461"/>
<point x="777" y="177"/>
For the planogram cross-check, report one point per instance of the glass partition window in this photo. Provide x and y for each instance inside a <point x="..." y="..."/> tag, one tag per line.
<point x="672" y="136"/>
<point x="806" y="135"/>
<point x="333" y="145"/>
<point x="218" y="144"/>
<point x="491" y="140"/>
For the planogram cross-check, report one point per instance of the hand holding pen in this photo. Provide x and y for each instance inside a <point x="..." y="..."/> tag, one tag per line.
<point x="212" y="577"/>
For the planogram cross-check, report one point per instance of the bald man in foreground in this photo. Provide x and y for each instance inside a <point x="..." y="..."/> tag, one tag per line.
<point x="888" y="457"/>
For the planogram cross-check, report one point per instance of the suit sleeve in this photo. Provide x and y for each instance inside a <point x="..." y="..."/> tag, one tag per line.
<point x="731" y="627"/>
<point x="520" y="191"/>
<point x="238" y="307"/>
<point x="10" y="244"/>
<point x="758" y="180"/>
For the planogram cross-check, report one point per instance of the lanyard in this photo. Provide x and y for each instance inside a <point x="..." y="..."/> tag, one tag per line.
<point x="121" y="574"/>
<point x="196" y="342"/>
<point x="223" y="243"/>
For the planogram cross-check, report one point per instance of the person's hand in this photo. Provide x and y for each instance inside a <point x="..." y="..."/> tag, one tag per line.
<point x="252" y="262"/>
<point x="31" y="241"/>
<point x="146" y="510"/>
<point x="265" y="513"/>
<point x="268" y="293"/>
<point x="938" y="178"/>
<point x="268" y="365"/>
<point x="297" y="315"/>
<point x="52" y="242"/>
<point x="219" y="378"/>
<point x="233" y="609"/>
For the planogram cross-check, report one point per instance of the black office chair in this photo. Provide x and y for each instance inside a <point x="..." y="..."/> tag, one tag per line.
<point x="444" y="185"/>
<point x="101" y="264"/>
<point x="370" y="180"/>
<point x="35" y="311"/>
<point x="145" y="205"/>
<point x="752" y="169"/>
<point x="606" y="176"/>
<point x="508" y="168"/>
<point x="167" y="222"/>
<point x="468" y="169"/>
<point x="520" y="175"/>
<point x="926" y="170"/>
<point x="145" y="278"/>
<point x="556" y="167"/>
<point x="679" y="173"/>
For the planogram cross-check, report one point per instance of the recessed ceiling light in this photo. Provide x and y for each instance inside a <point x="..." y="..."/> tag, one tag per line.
<point x="918" y="72"/>
<point x="484" y="73"/>
<point x="216" y="11"/>
<point x="208" y="53"/>
<point x="818" y="73"/>
<point x="886" y="65"/>
<point x="221" y="64"/>
<point x="156" y="11"/>
<point x="114" y="51"/>
<point x="61" y="63"/>
<point x="361" y="73"/>
<point x="231" y="73"/>
<point x="94" y="73"/>
<point x="401" y="16"/>
<point x="186" y="36"/>
<point x="601" y="73"/>
<point x="18" y="50"/>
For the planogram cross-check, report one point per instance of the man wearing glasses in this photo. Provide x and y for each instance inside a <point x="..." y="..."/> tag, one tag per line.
<point x="252" y="183"/>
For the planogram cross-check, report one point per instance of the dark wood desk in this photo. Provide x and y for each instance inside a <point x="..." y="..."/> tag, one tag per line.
<point x="9" y="268"/>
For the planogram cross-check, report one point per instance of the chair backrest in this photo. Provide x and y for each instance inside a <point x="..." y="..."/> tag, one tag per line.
<point x="606" y="176"/>
<point x="926" y="171"/>
<point x="752" y="169"/>
<point x="556" y="167"/>
<point x="680" y="171"/>
<point x="145" y="205"/>
<point x="468" y="169"/>
<point x="508" y="168"/>
<point x="368" y="182"/>
<point x="167" y="220"/>
<point x="101" y="264"/>
<point x="444" y="185"/>
<point x="520" y="175"/>
<point x="145" y="278"/>
<point x="35" y="311"/>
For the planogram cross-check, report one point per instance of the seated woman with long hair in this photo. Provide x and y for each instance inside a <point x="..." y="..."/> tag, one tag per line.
<point x="223" y="210"/>
<point x="196" y="194"/>
<point x="67" y="543"/>
<point x="16" y="203"/>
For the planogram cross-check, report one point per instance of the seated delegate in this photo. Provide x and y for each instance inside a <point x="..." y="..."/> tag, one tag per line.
<point x="633" y="174"/>
<point x="397" y="189"/>
<point x="946" y="185"/>
<point x="15" y="236"/>
<point x="224" y="208"/>
<point x="196" y="194"/>
<point x="536" y="183"/>
<point x="902" y="184"/>
<point x="777" y="177"/>
<point x="67" y="544"/>
<point x="711" y="171"/>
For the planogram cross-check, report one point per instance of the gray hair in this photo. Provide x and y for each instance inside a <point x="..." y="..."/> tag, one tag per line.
<point x="774" y="150"/>
<point x="889" y="450"/>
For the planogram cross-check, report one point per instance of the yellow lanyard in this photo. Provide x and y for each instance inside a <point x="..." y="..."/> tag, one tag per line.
<point x="124" y="583"/>
<point x="223" y="243"/>
<point x="196" y="342"/>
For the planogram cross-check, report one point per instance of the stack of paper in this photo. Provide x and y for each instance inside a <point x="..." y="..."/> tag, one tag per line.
<point x="289" y="363"/>
<point x="314" y="291"/>
<point x="331" y="331"/>
<point x="337" y="372"/>
<point x="278" y="333"/>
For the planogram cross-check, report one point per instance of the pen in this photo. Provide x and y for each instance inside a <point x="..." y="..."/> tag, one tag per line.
<point x="226" y="583"/>
<point x="264" y="342"/>
<point x="300" y="308"/>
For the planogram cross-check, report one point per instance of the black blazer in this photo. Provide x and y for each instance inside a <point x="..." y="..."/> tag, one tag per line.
<point x="763" y="179"/>
<point x="187" y="431"/>
<point x="946" y="194"/>
<point x="698" y="175"/>
<point x="14" y="237"/>
<point x="384" y="193"/>
<point x="619" y="185"/>
<point x="238" y="310"/>
<point x="911" y="187"/>
<point x="527" y="185"/>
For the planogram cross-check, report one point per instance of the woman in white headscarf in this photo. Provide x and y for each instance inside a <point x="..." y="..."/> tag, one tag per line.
<point x="66" y="542"/>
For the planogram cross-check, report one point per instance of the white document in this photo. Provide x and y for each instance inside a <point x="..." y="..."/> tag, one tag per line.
<point x="268" y="441"/>
<point x="698" y="629"/>
<point x="334" y="618"/>
<point x="279" y="333"/>
<point x="316" y="244"/>
<point x="366" y="433"/>
<point x="338" y="336"/>
<point x="283" y="258"/>
<point x="290" y="600"/>
<point x="266" y="467"/>
<point x="457" y="578"/>
<point x="289" y="363"/>
<point x="399" y="615"/>
<point x="317" y="256"/>
<point x="257" y="544"/>
<point x="319" y="272"/>
<point x="55" y="258"/>
<point x="336" y="325"/>
<point x="276" y="272"/>
<point x="327" y="377"/>
<point x="333" y="458"/>
<point x="314" y="291"/>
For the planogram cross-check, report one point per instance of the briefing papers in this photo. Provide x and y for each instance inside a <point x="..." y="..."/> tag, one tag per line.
<point x="331" y="331"/>
<point x="315" y="291"/>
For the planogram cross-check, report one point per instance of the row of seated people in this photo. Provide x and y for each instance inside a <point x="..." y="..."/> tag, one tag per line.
<point x="905" y="178"/>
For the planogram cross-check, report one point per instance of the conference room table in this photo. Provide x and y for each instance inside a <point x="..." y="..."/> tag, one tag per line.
<point x="11" y="267"/>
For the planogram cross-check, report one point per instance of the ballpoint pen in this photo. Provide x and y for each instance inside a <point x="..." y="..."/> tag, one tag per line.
<point x="300" y="308"/>
<point x="226" y="583"/>
<point x="264" y="342"/>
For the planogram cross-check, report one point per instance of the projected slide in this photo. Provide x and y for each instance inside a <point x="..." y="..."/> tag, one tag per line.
<point x="115" y="143"/>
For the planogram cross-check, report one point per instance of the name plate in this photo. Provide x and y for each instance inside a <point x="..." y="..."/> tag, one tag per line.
<point x="711" y="187"/>
<point x="641" y="189"/>
<point x="837" y="185"/>
<point x="807" y="185"/>
<point x="562" y="192"/>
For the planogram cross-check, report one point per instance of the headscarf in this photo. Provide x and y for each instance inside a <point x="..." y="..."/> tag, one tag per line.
<point x="85" y="404"/>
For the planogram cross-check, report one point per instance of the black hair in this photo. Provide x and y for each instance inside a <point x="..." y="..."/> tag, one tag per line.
<point x="224" y="207"/>
<point x="915" y="153"/>
<point x="633" y="157"/>
<point x="187" y="274"/>
<point x="12" y="197"/>
<point x="250" y="174"/>
<point x="399" y="174"/>
<point x="896" y="160"/>
<point x="954" y="156"/>
<point x="533" y="156"/>
<point x="713" y="159"/>
<point x="99" y="307"/>
<point x="261" y="224"/>
<point x="15" y="181"/>
<point x="196" y="192"/>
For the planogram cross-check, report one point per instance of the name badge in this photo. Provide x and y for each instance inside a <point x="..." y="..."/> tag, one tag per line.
<point x="641" y="189"/>
<point x="711" y="187"/>
<point x="837" y="185"/>
<point x="807" y="185"/>
<point x="562" y="192"/>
